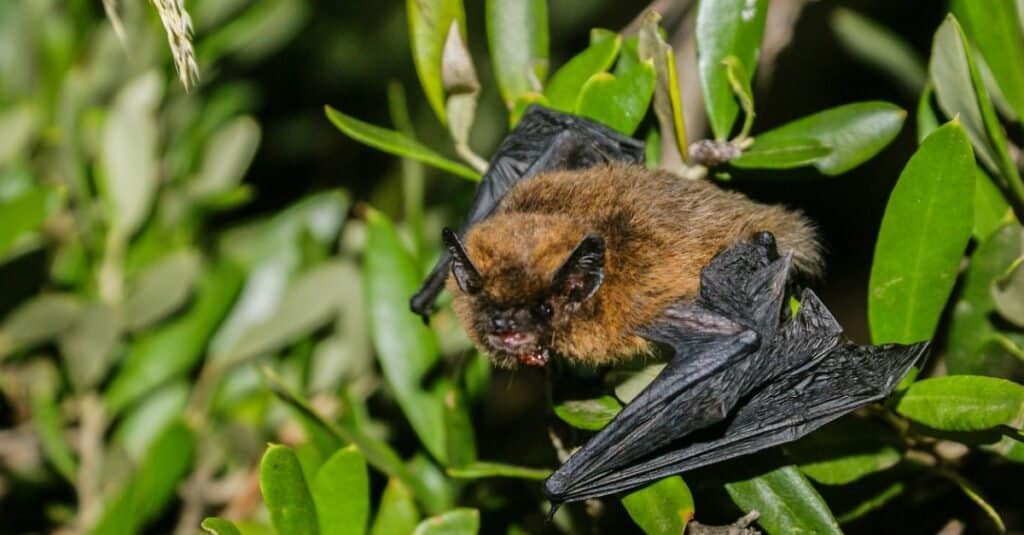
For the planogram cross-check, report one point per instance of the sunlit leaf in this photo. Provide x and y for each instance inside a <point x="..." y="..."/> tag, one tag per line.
<point x="854" y="133"/>
<point x="925" y="230"/>
<point x="455" y="522"/>
<point x="397" y="514"/>
<point x="590" y="414"/>
<point x="726" y="28"/>
<point x="285" y="492"/>
<point x="619" y="101"/>
<point x="429" y="22"/>
<point x="341" y="491"/>
<point x="786" y="501"/>
<point x="996" y="30"/>
<point x="972" y="331"/>
<point x="396" y="143"/>
<point x="517" y="34"/>
<point x="661" y="508"/>
<point x="880" y="47"/>
<point x="484" y="469"/>
<point x="564" y="87"/>
<point x="964" y="403"/>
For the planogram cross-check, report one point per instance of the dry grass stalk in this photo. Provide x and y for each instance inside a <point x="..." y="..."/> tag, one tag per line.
<point x="178" y="26"/>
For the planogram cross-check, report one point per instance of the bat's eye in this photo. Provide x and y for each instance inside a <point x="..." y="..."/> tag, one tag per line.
<point x="542" y="310"/>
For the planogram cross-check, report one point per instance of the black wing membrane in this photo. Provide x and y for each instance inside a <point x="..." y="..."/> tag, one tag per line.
<point x="798" y="376"/>
<point x="544" y="140"/>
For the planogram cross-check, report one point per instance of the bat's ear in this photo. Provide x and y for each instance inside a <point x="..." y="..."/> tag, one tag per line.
<point x="466" y="274"/>
<point x="582" y="273"/>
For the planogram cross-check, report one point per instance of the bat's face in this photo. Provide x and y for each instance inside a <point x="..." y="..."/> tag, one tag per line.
<point x="516" y="293"/>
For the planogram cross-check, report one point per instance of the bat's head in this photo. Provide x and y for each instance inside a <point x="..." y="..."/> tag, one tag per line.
<point x="518" y="285"/>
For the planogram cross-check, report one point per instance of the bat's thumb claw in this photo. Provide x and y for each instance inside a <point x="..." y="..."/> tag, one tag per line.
<point x="554" y="509"/>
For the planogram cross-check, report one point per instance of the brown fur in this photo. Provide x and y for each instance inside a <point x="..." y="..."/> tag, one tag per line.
<point x="659" y="231"/>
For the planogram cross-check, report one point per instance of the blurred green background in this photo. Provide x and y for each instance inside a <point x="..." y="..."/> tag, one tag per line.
<point x="228" y="226"/>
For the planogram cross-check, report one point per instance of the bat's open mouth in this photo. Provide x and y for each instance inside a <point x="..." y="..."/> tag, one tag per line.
<point x="521" y="345"/>
<point x="537" y="358"/>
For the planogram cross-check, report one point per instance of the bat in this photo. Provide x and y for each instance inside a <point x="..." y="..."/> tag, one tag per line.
<point x="573" y="250"/>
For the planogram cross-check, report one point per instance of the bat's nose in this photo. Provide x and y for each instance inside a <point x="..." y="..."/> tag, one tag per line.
<point x="503" y="323"/>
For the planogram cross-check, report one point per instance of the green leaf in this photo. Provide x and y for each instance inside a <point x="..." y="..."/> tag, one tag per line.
<point x="38" y="320"/>
<point x="219" y="526"/>
<point x="925" y="229"/>
<point x="661" y="508"/>
<point x="964" y="403"/>
<point x="739" y="81"/>
<point x="879" y="47"/>
<point x="48" y="420"/>
<point x="25" y="213"/>
<point x="174" y="348"/>
<point x="786" y="502"/>
<point x="429" y="21"/>
<point x="406" y="349"/>
<point x="990" y="207"/>
<point x="873" y="502"/>
<point x="517" y="34"/>
<point x="726" y="28"/>
<point x="396" y="143"/>
<point x="590" y="414"/>
<point x="927" y="121"/>
<point x="789" y="154"/>
<point x="397" y="514"/>
<point x="341" y="491"/>
<point x="996" y="30"/>
<point x="618" y="101"/>
<point x="455" y="522"/>
<point x="972" y="331"/>
<point x="853" y="132"/>
<point x="18" y="127"/>
<point x="522" y="103"/>
<point x="160" y="289"/>
<point x="667" y="101"/>
<point x="226" y="158"/>
<point x="90" y="344"/>
<point x="129" y="157"/>
<point x="961" y="91"/>
<point x="1008" y="294"/>
<point x="484" y="469"/>
<point x="147" y="421"/>
<point x="285" y="492"/>
<point x="636" y="382"/>
<point x="846" y="451"/>
<point x="564" y="87"/>
<point x="153" y="484"/>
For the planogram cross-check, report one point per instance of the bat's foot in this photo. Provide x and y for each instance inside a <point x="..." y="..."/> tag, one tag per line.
<point x="739" y="527"/>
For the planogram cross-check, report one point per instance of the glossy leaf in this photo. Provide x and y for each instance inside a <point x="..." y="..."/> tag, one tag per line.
<point x="786" y="502"/>
<point x="590" y="414"/>
<point x="972" y="347"/>
<point x="564" y="87"/>
<point x="853" y="132"/>
<point x="162" y="354"/>
<point x="661" y="508"/>
<point x="38" y="320"/>
<point x="880" y="48"/>
<point x="1008" y="294"/>
<point x="517" y="34"/>
<point x="396" y="143"/>
<point x="429" y="22"/>
<point x="226" y="157"/>
<point x="160" y="289"/>
<point x="846" y="451"/>
<point x="219" y="526"/>
<point x="789" y="154"/>
<point x="406" y="349"/>
<point x="341" y="491"/>
<point x="285" y="492"/>
<point x="990" y="207"/>
<point x="995" y="28"/>
<point x="618" y="101"/>
<point x="455" y="522"/>
<point x="961" y="91"/>
<point x="129" y="177"/>
<point x="726" y="28"/>
<point x="484" y="469"/>
<point x="964" y="403"/>
<point x="925" y="229"/>
<point x="397" y="514"/>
